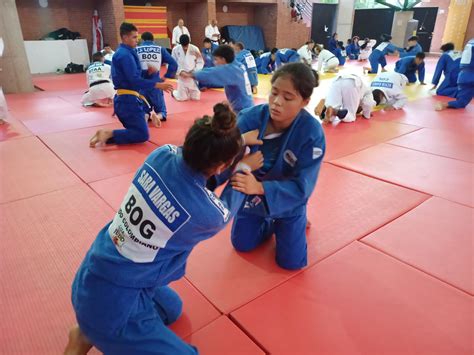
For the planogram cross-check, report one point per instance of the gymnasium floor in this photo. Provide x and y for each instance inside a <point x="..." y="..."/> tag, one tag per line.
<point x="390" y="247"/>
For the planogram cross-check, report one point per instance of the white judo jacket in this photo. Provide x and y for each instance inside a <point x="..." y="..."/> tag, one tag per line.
<point x="392" y="85"/>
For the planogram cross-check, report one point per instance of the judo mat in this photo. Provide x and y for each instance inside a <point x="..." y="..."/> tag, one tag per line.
<point x="389" y="249"/>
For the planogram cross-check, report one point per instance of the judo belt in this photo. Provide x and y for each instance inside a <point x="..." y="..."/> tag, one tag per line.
<point x="134" y="93"/>
<point x="98" y="82"/>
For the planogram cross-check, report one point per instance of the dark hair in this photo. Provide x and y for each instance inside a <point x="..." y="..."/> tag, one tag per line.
<point x="254" y="53"/>
<point x="147" y="36"/>
<point x="310" y="41"/>
<point x="97" y="56"/>
<point x="106" y="45"/>
<point x="303" y="77"/>
<point x="420" y="55"/>
<point x="385" y="37"/>
<point x="184" y="40"/>
<point x="240" y="45"/>
<point x="340" y="44"/>
<point x="225" y="51"/>
<point x="334" y="34"/>
<point x="413" y="38"/>
<point x="378" y="95"/>
<point x="366" y="42"/>
<point x="127" y="28"/>
<point x="207" y="40"/>
<point x="212" y="141"/>
<point x="447" y="47"/>
<point x="274" y="50"/>
<point x="231" y="40"/>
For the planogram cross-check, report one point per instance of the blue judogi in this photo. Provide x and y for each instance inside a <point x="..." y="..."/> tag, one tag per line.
<point x="412" y="51"/>
<point x="120" y="294"/>
<point x="265" y="65"/>
<point x="449" y="65"/>
<point x="353" y="50"/>
<point x="378" y="56"/>
<point x="332" y="45"/>
<point x="408" y="67"/>
<point x="151" y="54"/>
<point x="340" y="56"/>
<point x="291" y="166"/>
<point x="246" y="58"/>
<point x="465" y="90"/>
<point x="127" y="74"/>
<point x="233" y="77"/>
<point x="207" y="55"/>
<point x="286" y="55"/>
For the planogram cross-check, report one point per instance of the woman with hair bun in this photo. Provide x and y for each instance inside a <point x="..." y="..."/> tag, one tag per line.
<point x="120" y="293"/>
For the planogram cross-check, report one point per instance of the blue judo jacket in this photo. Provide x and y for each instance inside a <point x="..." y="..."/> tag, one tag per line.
<point x="246" y="58"/>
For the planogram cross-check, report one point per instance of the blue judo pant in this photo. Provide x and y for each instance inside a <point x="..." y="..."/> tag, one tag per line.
<point x="130" y="111"/>
<point x="411" y="76"/>
<point x="375" y="59"/>
<point x="464" y="95"/>
<point x="156" y="99"/>
<point x="249" y="231"/>
<point x="447" y="91"/>
<point x="145" y="331"/>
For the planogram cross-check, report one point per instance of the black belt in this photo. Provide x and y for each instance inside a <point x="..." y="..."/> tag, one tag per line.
<point x="331" y="58"/>
<point x="99" y="82"/>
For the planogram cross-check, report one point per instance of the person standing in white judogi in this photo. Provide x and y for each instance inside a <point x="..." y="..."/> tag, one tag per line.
<point x="189" y="60"/>
<point x="387" y="89"/>
<point x="178" y="31"/>
<point x="212" y="32"/>
<point x="347" y="96"/>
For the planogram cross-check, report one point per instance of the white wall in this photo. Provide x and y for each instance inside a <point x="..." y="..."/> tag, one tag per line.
<point x="345" y="19"/>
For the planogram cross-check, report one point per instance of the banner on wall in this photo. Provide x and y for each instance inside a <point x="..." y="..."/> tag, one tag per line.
<point x="148" y="19"/>
<point x="97" y="36"/>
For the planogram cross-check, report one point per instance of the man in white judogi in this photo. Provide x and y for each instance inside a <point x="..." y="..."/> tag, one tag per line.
<point x="189" y="60"/>
<point x="212" y="32"/>
<point x="387" y="88"/>
<point x="347" y="96"/>
<point x="178" y="31"/>
<point x="101" y="90"/>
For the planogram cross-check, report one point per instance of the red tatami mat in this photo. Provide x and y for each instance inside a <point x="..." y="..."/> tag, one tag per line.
<point x="99" y="163"/>
<point x="13" y="128"/>
<point x="440" y="142"/>
<point x="434" y="238"/>
<point x="29" y="168"/>
<point x="223" y="337"/>
<point x="47" y="107"/>
<point x="345" y="206"/>
<point x="60" y="82"/>
<point x="439" y="176"/>
<point x="113" y="190"/>
<point x="360" y="301"/>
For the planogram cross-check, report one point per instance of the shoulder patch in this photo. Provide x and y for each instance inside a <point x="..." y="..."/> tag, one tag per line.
<point x="218" y="204"/>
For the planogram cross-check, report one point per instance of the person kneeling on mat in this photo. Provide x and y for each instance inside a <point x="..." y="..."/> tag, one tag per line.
<point x="128" y="103"/>
<point x="293" y="149"/>
<point x="387" y="90"/>
<point x="410" y="66"/>
<point x="101" y="90"/>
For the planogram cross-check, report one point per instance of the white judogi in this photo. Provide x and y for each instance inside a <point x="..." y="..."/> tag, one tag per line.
<point x="392" y="85"/>
<point x="100" y="85"/>
<point x="327" y="60"/>
<point x="189" y="61"/>
<point x="212" y="30"/>
<point x="364" y="53"/>
<point x="305" y="54"/>
<point x="348" y="91"/>
<point x="108" y="56"/>
<point x="178" y="32"/>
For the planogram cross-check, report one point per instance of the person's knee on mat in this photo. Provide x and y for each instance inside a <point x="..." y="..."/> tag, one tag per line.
<point x="169" y="304"/>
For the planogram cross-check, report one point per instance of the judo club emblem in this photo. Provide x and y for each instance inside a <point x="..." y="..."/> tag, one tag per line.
<point x="290" y="157"/>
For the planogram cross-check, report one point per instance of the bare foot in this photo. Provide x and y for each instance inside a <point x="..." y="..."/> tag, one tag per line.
<point x="308" y="224"/>
<point x="384" y="70"/>
<point x="330" y="112"/>
<point x="101" y="136"/>
<point x="78" y="343"/>
<point x="319" y="108"/>
<point x="156" y="119"/>
<point x="440" y="106"/>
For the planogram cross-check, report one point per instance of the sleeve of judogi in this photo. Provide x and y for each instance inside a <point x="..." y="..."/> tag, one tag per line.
<point x="400" y="100"/>
<point x="283" y="195"/>
<point x="172" y="65"/>
<point x="199" y="59"/>
<point x="265" y="61"/>
<point x="215" y="76"/>
<point x="421" y="72"/>
<point x="401" y="66"/>
<point x="439" y="70"/>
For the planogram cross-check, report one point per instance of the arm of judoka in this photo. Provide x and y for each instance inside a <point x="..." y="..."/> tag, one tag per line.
<point x="439" y="70"/>
<point x="283" y="196"/>
<point x="131" y="75"/>
<point x="213" y="76"/>
<point x="421" y="73"/>
<point x="172" y="64"/>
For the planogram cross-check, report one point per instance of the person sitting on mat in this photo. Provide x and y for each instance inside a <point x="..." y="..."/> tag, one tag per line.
<point x="449" y="65"/>
<point x="120" y="294"/>
<point x="293" y="150"/>
<point x="108" y="53"/>
<point x="340" y="53"/>
<point x="347" y="96"/>
<point x="327" y="61"/>
<point x="229" y="74"/>
<point x="128" y="103"/>
<point x="209" y="47"/>
<point x="101" y="90"/>
<point x="366" y="46"/>
<point x="353" y="48"/>
<point x="378" y="55"/>
<point x="410" y="66"/>
<point x="306" y="52"/>
<point x="465" y="89"/>
<point x="266" y="62"/>
<point x="387" y="89"/>
<point x="286" y="55"/>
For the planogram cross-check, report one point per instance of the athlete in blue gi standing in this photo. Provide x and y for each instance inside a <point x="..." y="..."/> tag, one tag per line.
<point x="409" y="66"/>
<point x="232" y="76"/>
<point x="465" y="90"/>
<point x="128" y="103"/>
<point x="378" y="55"/>
<point x="293" y="149"/>
<point x="153" y="56"/>
<point x="449" y="65"/>
<point x="244" y="57"/>
<point x="120" y="294"/>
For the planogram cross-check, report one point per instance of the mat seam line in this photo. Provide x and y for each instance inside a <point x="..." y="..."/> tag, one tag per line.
<point x="422" y="151"/>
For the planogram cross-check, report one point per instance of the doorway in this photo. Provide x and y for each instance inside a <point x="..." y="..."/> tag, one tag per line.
<point x="323" y="23"/>
<point x="426" y="17"/>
